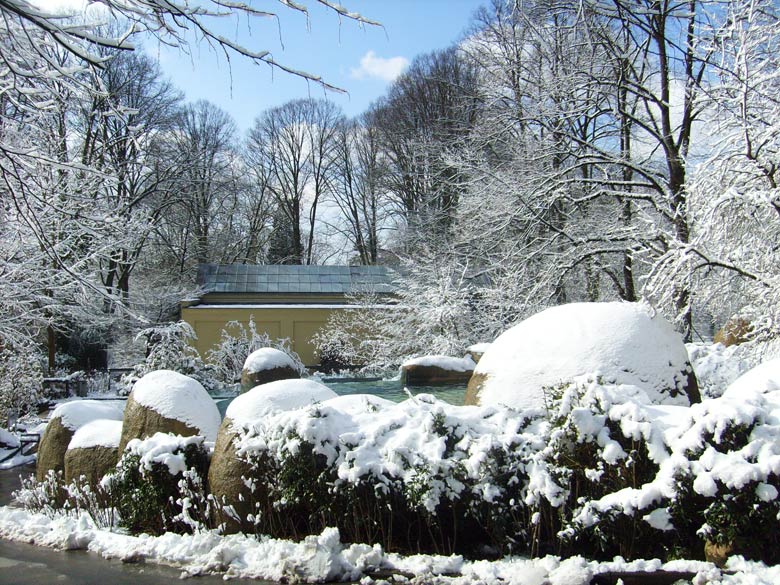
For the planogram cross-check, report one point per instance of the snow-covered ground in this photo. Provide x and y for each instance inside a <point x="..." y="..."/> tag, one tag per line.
<point x="323" y="557"/>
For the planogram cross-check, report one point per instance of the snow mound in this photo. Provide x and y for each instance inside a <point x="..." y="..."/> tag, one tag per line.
<point x="763" y="379"/>
<point x="276" y="396"/>
<point x="178" y="397"/>
<point x="267" y="358"/>
<point x="74" y="415"/>
<point x="452" y="364"/>
<point x="620" y="343"/>
<point x="97" y="433"/>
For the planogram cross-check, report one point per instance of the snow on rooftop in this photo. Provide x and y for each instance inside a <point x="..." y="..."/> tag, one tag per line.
<point x="623" y="343"/>
<point x="179" y="397"/>
<point x="267" y="358"/>
<point x="276" y="396"/>
<point x="77" y="413"/>
<point x="97" y="433"/>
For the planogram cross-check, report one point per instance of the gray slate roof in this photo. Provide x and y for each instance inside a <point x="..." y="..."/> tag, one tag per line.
<point x="285" y="279"/>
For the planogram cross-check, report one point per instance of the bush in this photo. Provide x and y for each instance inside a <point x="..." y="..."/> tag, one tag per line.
<point x="21" y="382"/>
<point x="321" y="467"/>
<point x="169" y="347"/>
<point x="601" y="473"/>
<point x="160" y="484"/>
<point x="52" y="497"/>
<point x="229" y="355"/>
<point x="726" y="494"/>
<point x="594" y="449"/>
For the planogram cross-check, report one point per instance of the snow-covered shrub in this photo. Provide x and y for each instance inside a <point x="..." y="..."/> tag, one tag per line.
<point x="52" y="497"/>
<point x="727" y="481"/>
<point x="169" y="347"/>
<point x="419" y="476"/>
<point x="21" y="380"/>
<point x="46" y="497"/>
<point x="599" y="442"/>
<point x="237" y="342"/>
<point x="159" y="484"/>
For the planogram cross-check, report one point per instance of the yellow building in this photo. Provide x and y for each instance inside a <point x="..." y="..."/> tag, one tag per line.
<point x="292" y="302"/>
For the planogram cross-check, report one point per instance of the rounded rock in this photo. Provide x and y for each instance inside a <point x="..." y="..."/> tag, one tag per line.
<point x="168" y="402"/>
<point x="265" y="365"/>
<point x="621" y="343"/>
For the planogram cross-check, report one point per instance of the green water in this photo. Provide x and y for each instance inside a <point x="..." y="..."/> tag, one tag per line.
<point x="389" y="389"/>
<point x="392" y="390"/>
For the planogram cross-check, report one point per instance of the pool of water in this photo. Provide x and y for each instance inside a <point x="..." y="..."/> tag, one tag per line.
<point x="389" y="389"/>
<point x="392" y="389"/>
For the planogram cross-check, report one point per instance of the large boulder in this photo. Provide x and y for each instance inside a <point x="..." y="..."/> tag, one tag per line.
<point x="93" y="451"/>
<point x="435" y="370"/>
<point x="621" y="343"/>
<point x="65" y="420"/>
<point x="227" y="469"/>
<point x="168" y="402"/>
<point x="267" y="365"/>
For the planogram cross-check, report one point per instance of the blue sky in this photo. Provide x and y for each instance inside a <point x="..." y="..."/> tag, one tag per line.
<point x="358" y="59"/>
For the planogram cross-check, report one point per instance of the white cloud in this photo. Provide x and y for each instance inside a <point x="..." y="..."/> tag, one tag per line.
<point x="378" y="67"/>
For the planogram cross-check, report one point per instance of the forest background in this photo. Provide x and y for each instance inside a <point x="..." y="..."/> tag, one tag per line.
<point x="560" y="151"/>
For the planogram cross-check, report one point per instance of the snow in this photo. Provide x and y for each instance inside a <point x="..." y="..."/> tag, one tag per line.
<point x="181" y="398"/>
<point x="367" y="438"/>
<point x="358" y="403"/>
<point x="323" y="557"/>
<point x="391" y="444"/>
<point x="479" y="347"/>
<point x="276" y="396"/>
<point x="621" y="343"/>
<point x="267" y="358"/>
<point x="76" y="414"/>
<point x="97" y="433"/>
<point x="764" y="378"/>
<point x="8" y="439"/>
<point x="165" y="448"/>
<point x="715" y="365"/>
<point x="452" y="364"/>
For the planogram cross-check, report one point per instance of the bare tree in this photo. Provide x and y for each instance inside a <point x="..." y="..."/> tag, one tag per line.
<point x="428" y="111"/>
<point x="294" y="147"/>
<point x="122" y="128"/>
<point x="358" y="189"/>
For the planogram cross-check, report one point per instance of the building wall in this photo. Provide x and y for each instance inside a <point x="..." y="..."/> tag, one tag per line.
<point x="297" y="323"/>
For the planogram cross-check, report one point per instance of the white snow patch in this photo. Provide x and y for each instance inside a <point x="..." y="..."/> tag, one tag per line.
<point x="715" y="365"/>
<point x="181" y="398"/>
<point x="97" y="433"/>
<point x="165" y="448"/>
<point x="267" y="358"/>
<point x="359" y="403"/>
<point x="764" y="378"/>
<point x="452" y="364"/>
<point x="274" y="397"/>
<point x="76" y="414"/>
<point x="479" y="347"/>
